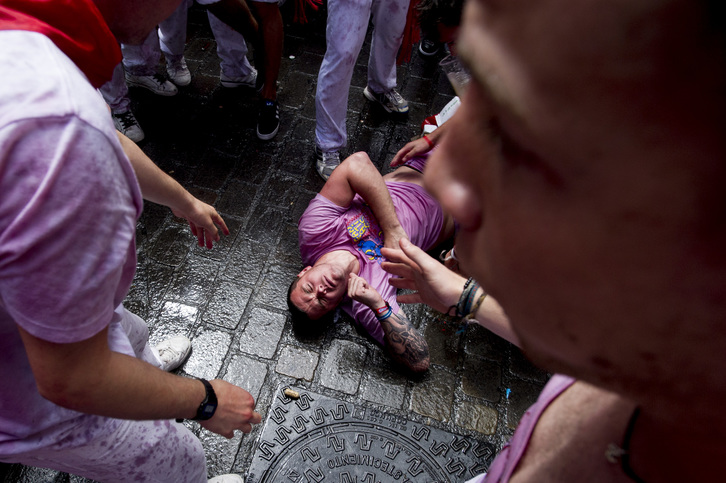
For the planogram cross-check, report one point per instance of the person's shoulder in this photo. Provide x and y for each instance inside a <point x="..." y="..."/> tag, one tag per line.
<point x="40" y="82"/>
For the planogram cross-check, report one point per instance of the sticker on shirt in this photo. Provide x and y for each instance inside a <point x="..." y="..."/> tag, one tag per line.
<point x="365" y="233"/>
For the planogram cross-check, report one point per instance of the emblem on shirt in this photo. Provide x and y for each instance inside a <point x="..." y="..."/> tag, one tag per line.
<point x="365" y="234"/>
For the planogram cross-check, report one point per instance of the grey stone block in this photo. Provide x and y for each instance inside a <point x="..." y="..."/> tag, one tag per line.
<point x="297" y="362"/>
<point x="342" y="366"/>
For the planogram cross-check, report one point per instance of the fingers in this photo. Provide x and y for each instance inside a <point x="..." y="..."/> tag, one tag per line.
<point x="403" y="283"/>
<point x="416" y="255"/>
<point x="402" y="155"/>
<point x="220" y="222"/>
<point x="197" y="232"/>
<point x="354" y="284"/>
<point x="395" y="255"/>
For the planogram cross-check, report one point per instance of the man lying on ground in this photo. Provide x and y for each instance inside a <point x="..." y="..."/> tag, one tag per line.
<point x="341" y="233"/>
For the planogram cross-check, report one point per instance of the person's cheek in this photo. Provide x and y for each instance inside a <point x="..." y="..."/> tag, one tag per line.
<point x="450" y="172"/>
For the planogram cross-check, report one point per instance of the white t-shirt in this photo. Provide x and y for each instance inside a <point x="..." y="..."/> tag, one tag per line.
<point x="69" y="202"/>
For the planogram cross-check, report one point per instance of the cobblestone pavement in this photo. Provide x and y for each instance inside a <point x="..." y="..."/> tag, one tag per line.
<point x="231" y="300"/>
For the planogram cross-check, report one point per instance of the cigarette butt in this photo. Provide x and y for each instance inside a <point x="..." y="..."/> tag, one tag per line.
<point x="292" y="394"/>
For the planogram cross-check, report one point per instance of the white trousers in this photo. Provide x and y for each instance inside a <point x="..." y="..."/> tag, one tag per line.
<point x="345" y="32"/>
<point x="231" y="48"/>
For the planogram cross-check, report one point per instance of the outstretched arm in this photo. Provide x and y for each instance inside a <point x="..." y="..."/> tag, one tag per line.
<point x="159" y="187"/>
<point x="440" y="288"/>
<point x="419" y="146"/>
<point x="403" y="342"/>
<point x="89" y="377"/>
<point x="358" y="175"/>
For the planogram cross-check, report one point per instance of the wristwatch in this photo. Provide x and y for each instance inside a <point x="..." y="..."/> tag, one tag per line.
<point x="209" y="404"/>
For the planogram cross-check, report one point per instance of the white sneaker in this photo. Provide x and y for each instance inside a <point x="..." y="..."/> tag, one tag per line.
<point x="227" y="479"/>
<point x="172" y="352"/>
<point x="391" y="101"/>
<point x="127" y="124"/>
<point x="247" y="81"/>
<point x="179" y="72"/>
<point x="325" y="163"/>
<point x="155" y="83"/>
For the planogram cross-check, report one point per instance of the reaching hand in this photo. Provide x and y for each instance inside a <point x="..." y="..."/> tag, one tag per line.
<point x="414" y="148"/>
<point x="436" y="285"/>
<point x="360" y="291"/>
<point x="392" y="238"/>
<point x="203" y="220"/>
<point x="235" y="410"/>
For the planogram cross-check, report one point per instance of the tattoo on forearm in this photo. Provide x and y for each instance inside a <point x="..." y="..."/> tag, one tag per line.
<point x="405" y="344"/>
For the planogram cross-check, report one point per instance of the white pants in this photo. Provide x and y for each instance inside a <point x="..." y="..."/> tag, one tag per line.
<point x="169" y="38"/>
<point x="345" y="32"/>
<point x="231" y="48"/>
<point x="143" y="451"/>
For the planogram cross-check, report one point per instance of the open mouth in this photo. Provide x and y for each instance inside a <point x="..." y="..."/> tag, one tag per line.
<point x="327" y="282"/>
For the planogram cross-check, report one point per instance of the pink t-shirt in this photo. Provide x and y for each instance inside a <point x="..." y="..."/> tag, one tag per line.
<point x="68" y="212"/>
<point x="325" y="227"/>
<point x="507" y="460"/>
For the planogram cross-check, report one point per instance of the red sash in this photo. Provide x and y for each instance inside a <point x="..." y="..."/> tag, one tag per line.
<point x="75" y="26"/>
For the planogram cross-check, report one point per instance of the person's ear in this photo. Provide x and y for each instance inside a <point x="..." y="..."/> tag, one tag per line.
<point x="303" y="271"/>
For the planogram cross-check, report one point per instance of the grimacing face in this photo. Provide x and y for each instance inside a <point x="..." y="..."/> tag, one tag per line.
<point x="319" y="290"/>
<point x="576" y="168"/>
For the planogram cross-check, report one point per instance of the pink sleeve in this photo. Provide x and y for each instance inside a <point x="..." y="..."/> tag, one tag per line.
<point x="66" y="245"/>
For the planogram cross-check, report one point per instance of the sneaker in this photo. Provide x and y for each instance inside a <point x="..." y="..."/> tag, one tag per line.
<point x="179" y="72"/>
<point x="391" y="101"/>
<point x="428" y="48"/>
<point x="268" y="119"/>
<point x="227" y="479"/>
<point x="325" y="163"/>
<point x="172" y="352"/>
<point x="155" y="83"/>
<point x="247" y="81"/>
<point x="127" y="124"/>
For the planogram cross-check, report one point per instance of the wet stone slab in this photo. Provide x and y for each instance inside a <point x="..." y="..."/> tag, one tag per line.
<point x="262" y="333"/>
<point x="476" y="417"/>
<point x="435" y="395"/>
<point x="317" y="438"/>
<point x="342" y="366"/>
<point x="297" y="362"/>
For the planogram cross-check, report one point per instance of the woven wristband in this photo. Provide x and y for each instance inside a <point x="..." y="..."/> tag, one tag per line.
<point x="476" y="306"/>
<point x="467" y="297"/>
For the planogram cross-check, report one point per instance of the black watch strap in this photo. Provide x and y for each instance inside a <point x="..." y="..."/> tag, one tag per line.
<point x="208" y="406"/>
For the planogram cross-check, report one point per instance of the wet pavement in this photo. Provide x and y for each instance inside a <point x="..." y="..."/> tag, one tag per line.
<point x="231" y="300"/>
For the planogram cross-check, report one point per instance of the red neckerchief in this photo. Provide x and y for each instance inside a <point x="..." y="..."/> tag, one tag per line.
<point x="75" y="26"/>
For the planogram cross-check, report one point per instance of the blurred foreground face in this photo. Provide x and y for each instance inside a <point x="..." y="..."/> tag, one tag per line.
<point x="584" y="167"/>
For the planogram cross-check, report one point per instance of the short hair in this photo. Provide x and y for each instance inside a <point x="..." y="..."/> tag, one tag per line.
<point x="301" y="322"/>
<point x="294" y="309"/>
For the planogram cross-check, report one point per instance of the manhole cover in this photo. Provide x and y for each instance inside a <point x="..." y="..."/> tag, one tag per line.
<point x="317" y="438"/>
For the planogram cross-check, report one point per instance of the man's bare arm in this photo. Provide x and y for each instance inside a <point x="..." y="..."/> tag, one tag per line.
<point x="159" y="187"/>
<point x="88" y="377"/>
<point x="358" y="175"/>
<point x="403" y="342"/>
